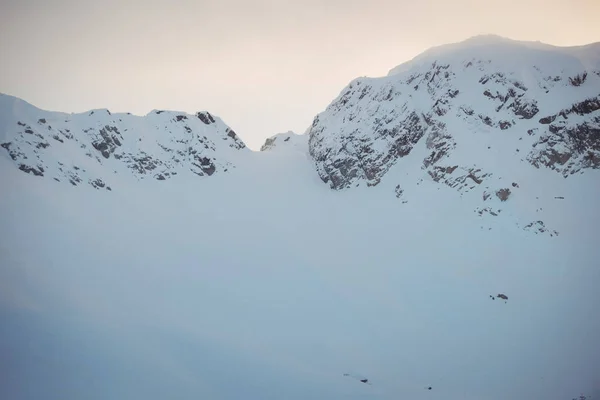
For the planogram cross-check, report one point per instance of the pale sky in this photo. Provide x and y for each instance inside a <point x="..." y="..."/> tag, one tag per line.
<point x="263" y="66"/>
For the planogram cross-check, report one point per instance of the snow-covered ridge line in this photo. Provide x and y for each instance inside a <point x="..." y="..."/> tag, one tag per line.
<point x="494" y="46"/>
<point x="98" y="146"/>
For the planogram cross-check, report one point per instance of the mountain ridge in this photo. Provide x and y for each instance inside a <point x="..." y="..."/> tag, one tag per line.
<point x="538" y="94"/>
<point x="91" y="146"/>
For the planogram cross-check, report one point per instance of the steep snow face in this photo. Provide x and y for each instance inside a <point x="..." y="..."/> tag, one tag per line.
<point x="288" y="141"/>
<point x="90" y="148"/>
<point x="465" y="112"/>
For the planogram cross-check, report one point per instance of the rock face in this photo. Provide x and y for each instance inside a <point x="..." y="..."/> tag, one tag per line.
<point x="456" y="106"/>
<point x="92" y="147"/>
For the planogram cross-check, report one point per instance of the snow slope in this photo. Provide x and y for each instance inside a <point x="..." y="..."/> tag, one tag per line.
<point x="263" y="283"/>
<point x="256" y="285"/>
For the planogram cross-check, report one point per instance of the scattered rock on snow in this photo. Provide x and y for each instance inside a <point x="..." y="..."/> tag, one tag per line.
<point x="503" y="194"/>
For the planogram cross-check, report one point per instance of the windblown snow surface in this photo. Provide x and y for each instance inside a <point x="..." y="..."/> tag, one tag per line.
<point x="263" y="283"/>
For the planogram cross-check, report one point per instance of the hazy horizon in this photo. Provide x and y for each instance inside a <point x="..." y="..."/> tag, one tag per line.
<point x="263" y="66"/>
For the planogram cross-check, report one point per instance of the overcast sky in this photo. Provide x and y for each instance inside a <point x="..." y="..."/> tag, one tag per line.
<point x="263" y="66"/>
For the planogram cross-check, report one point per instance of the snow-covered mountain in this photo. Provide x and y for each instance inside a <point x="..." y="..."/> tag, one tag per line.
<point x="88" y="148"/>
<point x="433" y="231"/>
<point x="469" y="112"/>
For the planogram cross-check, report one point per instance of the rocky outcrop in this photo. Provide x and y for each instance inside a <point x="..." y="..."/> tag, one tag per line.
<point x="568" y="146"/>
<point x="288" y="141"/>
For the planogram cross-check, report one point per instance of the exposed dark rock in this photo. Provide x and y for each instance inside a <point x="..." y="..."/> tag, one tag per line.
<point x="462" y="181"/>
<point x="568" y="148"/>
<point x="539" y="227"/>
<point x="585" y="107"/>
<point x="107" y="141"/>
<point x="399" y="191"/>
<point x="487" y="210"/>
<point x="356" y="159"/>
<point x="37" y="171"/>
<point x="547" y="120"/>
<point x="524" y="108"/>
<point x="97" y="183"/>
<point x="41" y="121"/>
<point x="13" y="154"/>
<point x="180" y="118"/>
<point x="268" y="143"/>
<point x="578" y="79"/>
<point x="503" y="194"/>
<point x="205" y="118"/>
<point x="237" y="143"/>
<point x="143" y="163"/>
<point x="486" y="120"/>
<point x="205" y="165"/>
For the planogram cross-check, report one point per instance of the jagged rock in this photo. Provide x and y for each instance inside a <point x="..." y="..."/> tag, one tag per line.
<point x="237" y="142"/>
<point x="205" y="117"/>
<point x="568" y="148"/>
<point x="107" y="141"/>
<point x="37" y="171"/>
<point x="353" y="157"/>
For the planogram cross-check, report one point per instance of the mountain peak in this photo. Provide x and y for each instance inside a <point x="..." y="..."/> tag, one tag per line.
<point x="499" y="48"/>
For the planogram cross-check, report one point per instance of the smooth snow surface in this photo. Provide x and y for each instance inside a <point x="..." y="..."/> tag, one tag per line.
<point x="254" y="285"/>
